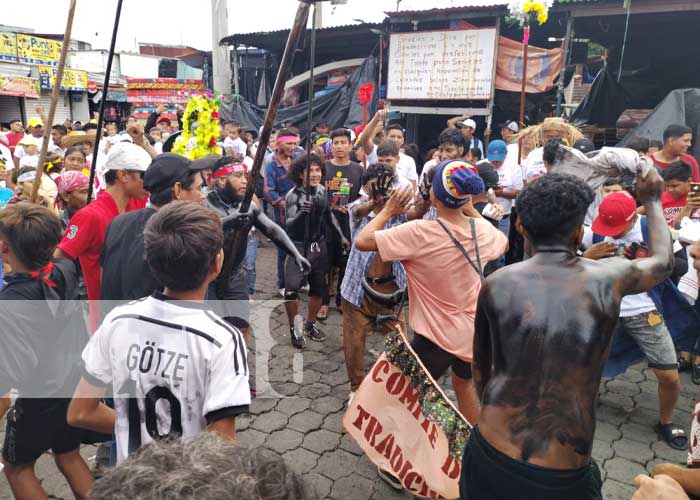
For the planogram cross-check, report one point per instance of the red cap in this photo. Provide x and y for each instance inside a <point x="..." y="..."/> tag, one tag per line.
<point x="163" y="119"/>
<point x="614" y="214"/>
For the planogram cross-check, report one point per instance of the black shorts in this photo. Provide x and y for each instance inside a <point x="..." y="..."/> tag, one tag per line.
<point x="35" y="426"/>
<point x="488" y="474"/>
<point x="437" y="360"/>
<point x="232" y="304"/>
<point x="318" y="258"/>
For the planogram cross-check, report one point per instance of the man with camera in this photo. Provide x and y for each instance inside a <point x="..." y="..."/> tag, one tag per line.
<point x="619" y="231"/>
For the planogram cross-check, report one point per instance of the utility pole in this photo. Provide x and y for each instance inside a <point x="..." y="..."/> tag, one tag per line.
<point x="221" y="62"/>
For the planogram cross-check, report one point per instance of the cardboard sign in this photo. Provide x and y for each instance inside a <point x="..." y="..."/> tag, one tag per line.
<point x="406" y="425"/>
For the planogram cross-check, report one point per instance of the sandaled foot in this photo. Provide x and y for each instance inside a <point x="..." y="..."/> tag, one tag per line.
<point x="696" y="374"/>
<point x="322" y="314"/>
<point x="684" y="364"/>
<point x="674" y="436"/>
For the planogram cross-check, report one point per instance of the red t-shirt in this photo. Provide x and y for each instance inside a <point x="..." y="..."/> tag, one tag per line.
<point x="673" y="206"/>
<point x="686" y="158"/>
<point x="83" y="240"/>
<point x="13" y="139"/>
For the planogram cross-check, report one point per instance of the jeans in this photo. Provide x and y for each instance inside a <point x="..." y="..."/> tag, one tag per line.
<point x="504" y="227"/>
<point x="251" y="254"/>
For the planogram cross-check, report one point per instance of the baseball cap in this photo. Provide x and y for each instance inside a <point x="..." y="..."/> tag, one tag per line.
<point x="163" y="119"/>
<point x="127" y="156"/>
<point x="467" y="123"/>
<point x="488" y="174"/>
<point x="510" y="125"/>
<point x="454" y="181"/>
<point x="35" y="122"/>
<point x="614" y="214"/>
<point x="168" y="168"/>
<point x="497" y="151"/>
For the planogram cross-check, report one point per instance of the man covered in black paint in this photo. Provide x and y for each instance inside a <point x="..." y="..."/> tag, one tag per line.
<point x="542" y="335"/>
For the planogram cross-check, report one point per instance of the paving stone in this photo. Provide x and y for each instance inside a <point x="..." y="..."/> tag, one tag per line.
<point x="631" y="376"/>
<point x="284" y="440"/>
<point x="602" y="451"/>
<point x="334" y="422"/>
<point x="327" y="404"/>
<point x="321" y="441"/>
<point x="665" y="452"/>
<point x="383" y="491"/>
<point x="270" y="422"/>
<point x="306" y="421"/>
<point x="645" y="417"/>
<point x="287" y="389"/>
<point x="637" y="432"/>
<point x="243" y="422"/>
<point x="634" y="451"/>
<point x="653" y="463"/>
<point x="647" y="400"/>
<point x="614" y="416"/>
<point x="622" y="387"/>
<point x="326" y="365"/>
<point x="366" y="468"/>
<point x="352" y="488"/>
<point x="322" y="485"/>
<point x="251" y="437"/>
<point x="335" y="378"/>
<point x="301" y="460"/>
<point x="311" y="357"/>
<point x="313" y="391"/>
<point x="262" y="405"/>
<point x="617" y="401"/>
<point x="336" y="464"/>
<point x="614" y="490"/>
<point x="607" y="432"/>
<point x="649" y="386"/>
<point x="623" y="470"/>
<point x="292" y="405"/>
<point x="310" y="377"/>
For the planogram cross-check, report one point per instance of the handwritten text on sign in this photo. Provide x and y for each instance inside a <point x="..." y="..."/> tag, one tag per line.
<point x="455" y="64"/>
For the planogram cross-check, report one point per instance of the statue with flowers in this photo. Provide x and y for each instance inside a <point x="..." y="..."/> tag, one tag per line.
<point x="200" y="126"/>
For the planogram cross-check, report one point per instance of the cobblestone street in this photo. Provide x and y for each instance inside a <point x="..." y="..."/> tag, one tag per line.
<point x="305" y="425"/>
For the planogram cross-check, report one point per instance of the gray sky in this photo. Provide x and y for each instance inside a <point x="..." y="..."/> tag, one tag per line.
<point x="188" y="22"/>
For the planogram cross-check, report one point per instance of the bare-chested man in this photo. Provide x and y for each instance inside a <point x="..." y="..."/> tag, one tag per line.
<point x="542" y="334"/>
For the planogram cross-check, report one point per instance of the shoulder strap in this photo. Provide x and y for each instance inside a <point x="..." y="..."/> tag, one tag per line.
<point x="461" y="248"/>
<point x="645" y="228"/>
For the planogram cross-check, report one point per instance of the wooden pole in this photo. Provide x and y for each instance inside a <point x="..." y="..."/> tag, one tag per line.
<point x="309" y="126"/>
<point x="105" y="88"/>
<point x="298" y="28"/>
<point x="562" y="73"/>
<point x="526" y="43"/>
<point x="54" y="99"/>
<point x="489" y="118"/>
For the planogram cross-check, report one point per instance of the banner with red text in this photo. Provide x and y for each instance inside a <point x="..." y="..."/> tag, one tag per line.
<point x="406" y="425"/>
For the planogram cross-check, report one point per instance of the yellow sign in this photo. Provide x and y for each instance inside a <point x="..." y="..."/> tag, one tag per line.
<point x="72" y="79"/>
<point x="8" y="47"/>
<point x="35" y="50"/>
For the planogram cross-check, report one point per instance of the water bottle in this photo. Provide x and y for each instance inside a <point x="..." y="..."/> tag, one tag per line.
<point x="344" y="193"/>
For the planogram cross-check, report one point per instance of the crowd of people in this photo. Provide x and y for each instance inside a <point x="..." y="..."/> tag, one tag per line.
<point x="531" y="298"/>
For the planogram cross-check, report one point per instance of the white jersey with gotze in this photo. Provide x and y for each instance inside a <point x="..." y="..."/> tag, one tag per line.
<point x="174" y="368"/>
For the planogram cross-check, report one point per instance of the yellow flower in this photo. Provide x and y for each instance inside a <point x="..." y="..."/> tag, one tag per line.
<point x="542" y="18"/>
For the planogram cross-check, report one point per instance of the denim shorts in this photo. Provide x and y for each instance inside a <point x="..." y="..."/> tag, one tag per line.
<point x="654" y="341"/>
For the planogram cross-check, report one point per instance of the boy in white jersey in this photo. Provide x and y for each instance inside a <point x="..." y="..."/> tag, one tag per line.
<point x="175" y="367"/>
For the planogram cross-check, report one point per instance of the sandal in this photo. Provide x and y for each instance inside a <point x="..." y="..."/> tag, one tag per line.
<point x="684" y="364"/>
<point x="674" y="436"/>
<point x="322" y="314"/>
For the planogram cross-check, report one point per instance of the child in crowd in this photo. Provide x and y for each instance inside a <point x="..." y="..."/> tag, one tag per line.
<point x="233" y="144"/>
<point x="39" y="342"/>
<point x="31" y="151"/>
<point x="678" y="201"/>
<point x="76" y="160"/>
<point x="176" y="368"/>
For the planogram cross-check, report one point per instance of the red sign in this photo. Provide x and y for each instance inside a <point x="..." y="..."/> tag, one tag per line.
<point x="92" y="86"/>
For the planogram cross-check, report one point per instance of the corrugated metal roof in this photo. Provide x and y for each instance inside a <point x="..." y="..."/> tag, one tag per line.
<point x="286" y="30"/>
<point x="471" y="5"/>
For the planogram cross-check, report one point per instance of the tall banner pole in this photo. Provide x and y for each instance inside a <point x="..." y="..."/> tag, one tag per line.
<point x="526" y="42"/>
<point x="54" y="99"/>
<point x="105" y="88"/>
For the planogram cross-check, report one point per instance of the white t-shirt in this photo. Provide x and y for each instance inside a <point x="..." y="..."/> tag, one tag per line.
<point x="509" y="176"/>
<point x="183" y="366"/>
<point x="6" y="156"/>
<point x="631" y="305"/>
<point x="533" y="167"/>
<point x="237" y="146"/>
<point x="29" y="161"/>
<point x="406" y="168"/>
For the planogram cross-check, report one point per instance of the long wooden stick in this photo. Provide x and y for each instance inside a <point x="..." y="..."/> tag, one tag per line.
<point x="239" y="238"/>
<point x="54" y="99"/>
<point x="105" y="91"/>
<point x="309" y="126"/>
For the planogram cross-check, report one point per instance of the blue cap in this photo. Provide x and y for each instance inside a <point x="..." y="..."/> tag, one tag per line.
<point x="497" y="151"/>
<point x="454" y="181"/>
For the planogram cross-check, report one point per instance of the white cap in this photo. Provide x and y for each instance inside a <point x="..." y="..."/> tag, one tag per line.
<point x="29" y="140"/>
<point x="468" y="123"/>
<point x="127" y="156"/>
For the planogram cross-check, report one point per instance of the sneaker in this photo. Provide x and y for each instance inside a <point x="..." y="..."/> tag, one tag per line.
<point x="305" y="288"/>
<point x="312" y="331"/>
<point x="281" y="291"/>
<point x="297" y="333"/>
<point x="392" y="481"/>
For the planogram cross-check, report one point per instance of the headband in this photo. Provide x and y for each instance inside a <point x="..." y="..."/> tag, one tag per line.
<point x="287" y="138"/>
<point x="27" y="176"/>
<point x="231" y="168"/>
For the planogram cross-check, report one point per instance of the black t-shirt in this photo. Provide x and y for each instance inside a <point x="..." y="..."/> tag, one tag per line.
<point x="335" y="175"/>
<point x="125" y="273"/>
<point x="42" y="333"/>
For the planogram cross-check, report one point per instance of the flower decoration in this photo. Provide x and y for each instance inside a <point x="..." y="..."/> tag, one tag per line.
<point x="200" y="127"/>
<point x="365" y="92"/>
<point x="527" y="12"/>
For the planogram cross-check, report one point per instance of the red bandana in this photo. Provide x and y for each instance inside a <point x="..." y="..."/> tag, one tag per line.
<point x="43" y="275"/>
<point x="232" y="168"/>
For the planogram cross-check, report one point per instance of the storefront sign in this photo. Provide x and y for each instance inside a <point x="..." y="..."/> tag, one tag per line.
<point x="164" y="84"/>
<point x="116" y="96"/>
<point x="8" y="47"/>
<point x="20" y="86"/>
<point x="72" y="79"/>
<point x="35" y="50"/>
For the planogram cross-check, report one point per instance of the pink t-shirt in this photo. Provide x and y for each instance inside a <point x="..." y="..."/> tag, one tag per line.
<point x="442" y="287"/>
